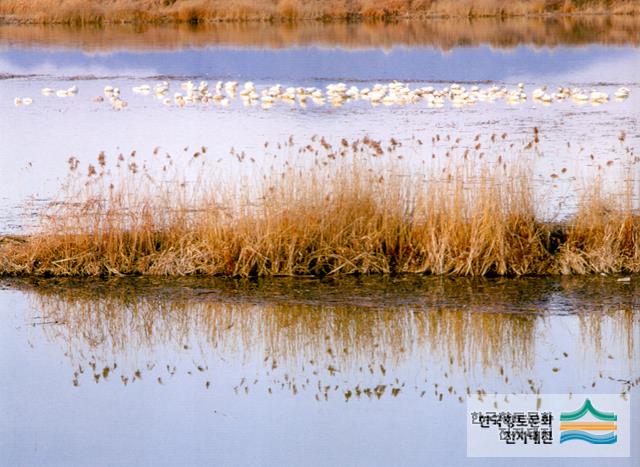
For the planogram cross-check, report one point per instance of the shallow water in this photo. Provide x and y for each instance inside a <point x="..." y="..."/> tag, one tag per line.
<point x="356" y="371"/>
<point x="197" y="371"/>
<point x="38" y="139"/>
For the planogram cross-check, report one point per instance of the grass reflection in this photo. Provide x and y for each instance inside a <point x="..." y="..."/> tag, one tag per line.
<point x="435" y="337"/>
<point x="441" y="33"/>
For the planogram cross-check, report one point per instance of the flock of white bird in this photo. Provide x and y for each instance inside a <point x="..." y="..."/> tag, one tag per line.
<point x="395" y="93"/>
<point x="71" y="91"/>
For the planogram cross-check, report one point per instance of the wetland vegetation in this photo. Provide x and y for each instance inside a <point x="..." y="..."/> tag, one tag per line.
<point x="359" y="207"/>
<point x="454" y="204"/>
<point x="199" y="11"/>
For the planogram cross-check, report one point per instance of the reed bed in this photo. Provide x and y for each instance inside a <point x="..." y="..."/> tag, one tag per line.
<point x="359" y="207"/>
<point x="199" y="11"/>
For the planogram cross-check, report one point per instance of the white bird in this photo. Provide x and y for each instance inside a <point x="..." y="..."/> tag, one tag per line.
<point x="267" y="99"/>
<point x="539" y="92"/>
<point x="231" y="86"/>
<point x="118" y="104"/>
<point x="143" y="89"/>
<point x="622" y="93"/>
<point x="187" y="86"/>
<point x="597" y="96"/>
<point x="579" y="96"/>
<point x="162" y="88"/>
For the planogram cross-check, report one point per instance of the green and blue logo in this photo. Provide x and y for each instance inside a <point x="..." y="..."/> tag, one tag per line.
<point x="602" y="430"/>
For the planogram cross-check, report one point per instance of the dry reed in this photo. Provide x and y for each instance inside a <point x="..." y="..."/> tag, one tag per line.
<point x="198" y="11"/>
<point x="354" y="208"/>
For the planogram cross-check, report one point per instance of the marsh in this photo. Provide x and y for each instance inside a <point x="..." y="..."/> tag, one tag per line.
<point x="198" y="356"/>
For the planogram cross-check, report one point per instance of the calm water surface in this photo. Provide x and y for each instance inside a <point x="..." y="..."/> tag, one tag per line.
<point x="582" y="140"/>
<point x="359" y="372"/>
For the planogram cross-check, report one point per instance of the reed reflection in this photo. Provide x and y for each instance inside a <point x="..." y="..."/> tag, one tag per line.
<point x="435" y="337"/>
<point x="443" y="34"/>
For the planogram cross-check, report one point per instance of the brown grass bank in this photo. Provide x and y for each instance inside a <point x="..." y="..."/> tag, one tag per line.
<point x="197" y="11"/>
<point x="354" y="208"/>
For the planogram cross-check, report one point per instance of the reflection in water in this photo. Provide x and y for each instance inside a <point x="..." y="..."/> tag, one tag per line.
<point x="186" y="370"/>
<point x="443" y="34"/>
<point x="431" y="336"/>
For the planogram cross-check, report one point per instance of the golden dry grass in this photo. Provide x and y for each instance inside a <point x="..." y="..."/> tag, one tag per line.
<point x="350" y="209"/>
<point x="196" y="11"/>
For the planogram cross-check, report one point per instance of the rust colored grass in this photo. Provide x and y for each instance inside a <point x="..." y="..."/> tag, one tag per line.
<point x="352" y="209"/>
<point x="198" y="11"/>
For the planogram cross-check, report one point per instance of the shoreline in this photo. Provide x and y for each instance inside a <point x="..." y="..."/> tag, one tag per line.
<point x="374" y="292"/>
<point x="444" y="34"/>
<point x="6" y="20"/>
<point x="552" y="242"/>
<point x="292" y="12"/>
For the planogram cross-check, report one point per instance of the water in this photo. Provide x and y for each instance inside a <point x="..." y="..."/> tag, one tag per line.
<point x="355" y="371"/>
<point x="38" y="139"/>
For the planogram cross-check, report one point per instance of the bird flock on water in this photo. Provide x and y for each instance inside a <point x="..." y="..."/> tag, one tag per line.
<point x="337" y="94"/>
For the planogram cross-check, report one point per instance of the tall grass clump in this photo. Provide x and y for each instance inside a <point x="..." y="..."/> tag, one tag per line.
<point x="604" y="235"/>
<point x="351" y="208"/>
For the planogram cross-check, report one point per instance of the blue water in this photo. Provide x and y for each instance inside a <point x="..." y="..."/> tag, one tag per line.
<point x="258" y="373"/>
<point x="481" y="63"/>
